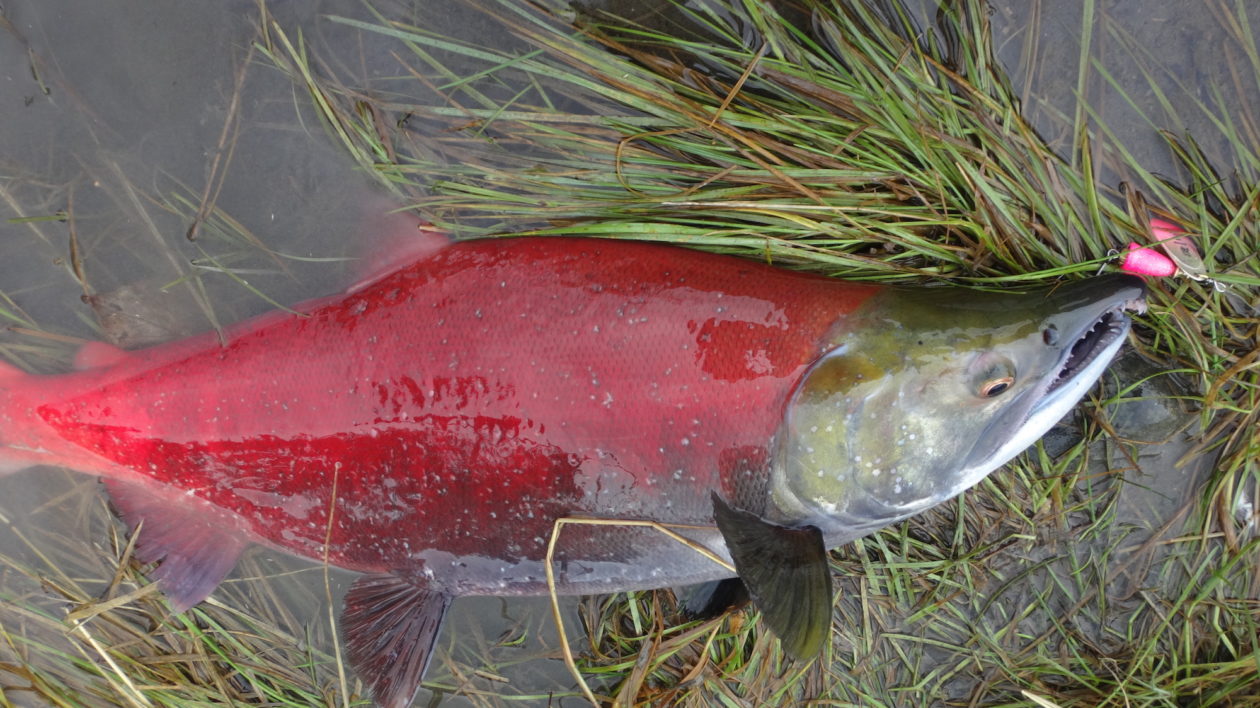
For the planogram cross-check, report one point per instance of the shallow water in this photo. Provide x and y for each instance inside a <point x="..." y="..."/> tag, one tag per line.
<point x="146" y="103"/>
<point x="111" y="109"/>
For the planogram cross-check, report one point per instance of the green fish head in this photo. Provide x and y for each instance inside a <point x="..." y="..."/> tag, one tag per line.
<point x="925" y="391"/>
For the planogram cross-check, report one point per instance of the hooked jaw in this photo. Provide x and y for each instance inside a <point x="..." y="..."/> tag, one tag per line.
<point x="1095" y="322"/>
<point x="1046" y="348"/>
<point x="1099" y="339"/>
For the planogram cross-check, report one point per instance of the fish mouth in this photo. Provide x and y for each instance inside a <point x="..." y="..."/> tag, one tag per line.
<point x="1096" y="338"/>
<point x="1092" y="312"/>
<point x="1094" y="315"/>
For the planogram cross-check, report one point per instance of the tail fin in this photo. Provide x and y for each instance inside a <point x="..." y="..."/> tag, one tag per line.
<point x="26" y="438"/>
<point x="12" y="459"/>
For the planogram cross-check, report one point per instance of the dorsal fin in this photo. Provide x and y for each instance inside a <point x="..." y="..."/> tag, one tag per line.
<point x="391" y="627"/>
<point x="9" y="372"/>
<point x="97" y="354"/>
<point x="398" y="239"/>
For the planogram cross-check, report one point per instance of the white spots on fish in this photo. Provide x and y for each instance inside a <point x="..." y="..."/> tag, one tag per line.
<point x="828" y="507"/>
<point x="876" y="472"/>
<point x="758" y="362"/>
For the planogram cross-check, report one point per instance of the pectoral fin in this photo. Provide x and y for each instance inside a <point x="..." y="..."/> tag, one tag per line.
<point x="391" y="626"/>
<point x="786" y="573"/>
<point x="708" y="600"/>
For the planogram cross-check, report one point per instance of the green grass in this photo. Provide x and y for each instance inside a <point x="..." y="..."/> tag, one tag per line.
<point x="865" y="145"/>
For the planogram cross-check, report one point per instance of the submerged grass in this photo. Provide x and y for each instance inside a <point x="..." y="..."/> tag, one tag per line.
<point x="1115" y="565"/>
<point x="122" y="646"/>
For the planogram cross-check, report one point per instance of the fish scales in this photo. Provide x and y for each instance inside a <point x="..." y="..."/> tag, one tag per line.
<point x="463" y="403"/>
<point x="429" y="427"/>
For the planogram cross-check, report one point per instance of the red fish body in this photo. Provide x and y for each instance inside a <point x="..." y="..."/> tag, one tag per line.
<point x="456" y="407"/>
<point x="430" y="426"/>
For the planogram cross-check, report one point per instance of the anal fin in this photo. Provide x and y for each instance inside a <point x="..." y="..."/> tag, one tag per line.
<point x="390" y="627"/>
<point x="787" y="575"/>
<point x="194" y="543"/>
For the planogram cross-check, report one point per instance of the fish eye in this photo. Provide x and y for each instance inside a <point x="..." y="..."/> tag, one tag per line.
<point x="996" y="387"/>
<point x="991" y="375"/>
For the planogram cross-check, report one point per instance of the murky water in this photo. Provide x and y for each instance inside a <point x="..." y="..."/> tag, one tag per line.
<point x="125" y="115"/>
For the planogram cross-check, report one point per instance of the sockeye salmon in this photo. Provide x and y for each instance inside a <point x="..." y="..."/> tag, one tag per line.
<point x="427" y="428"/>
